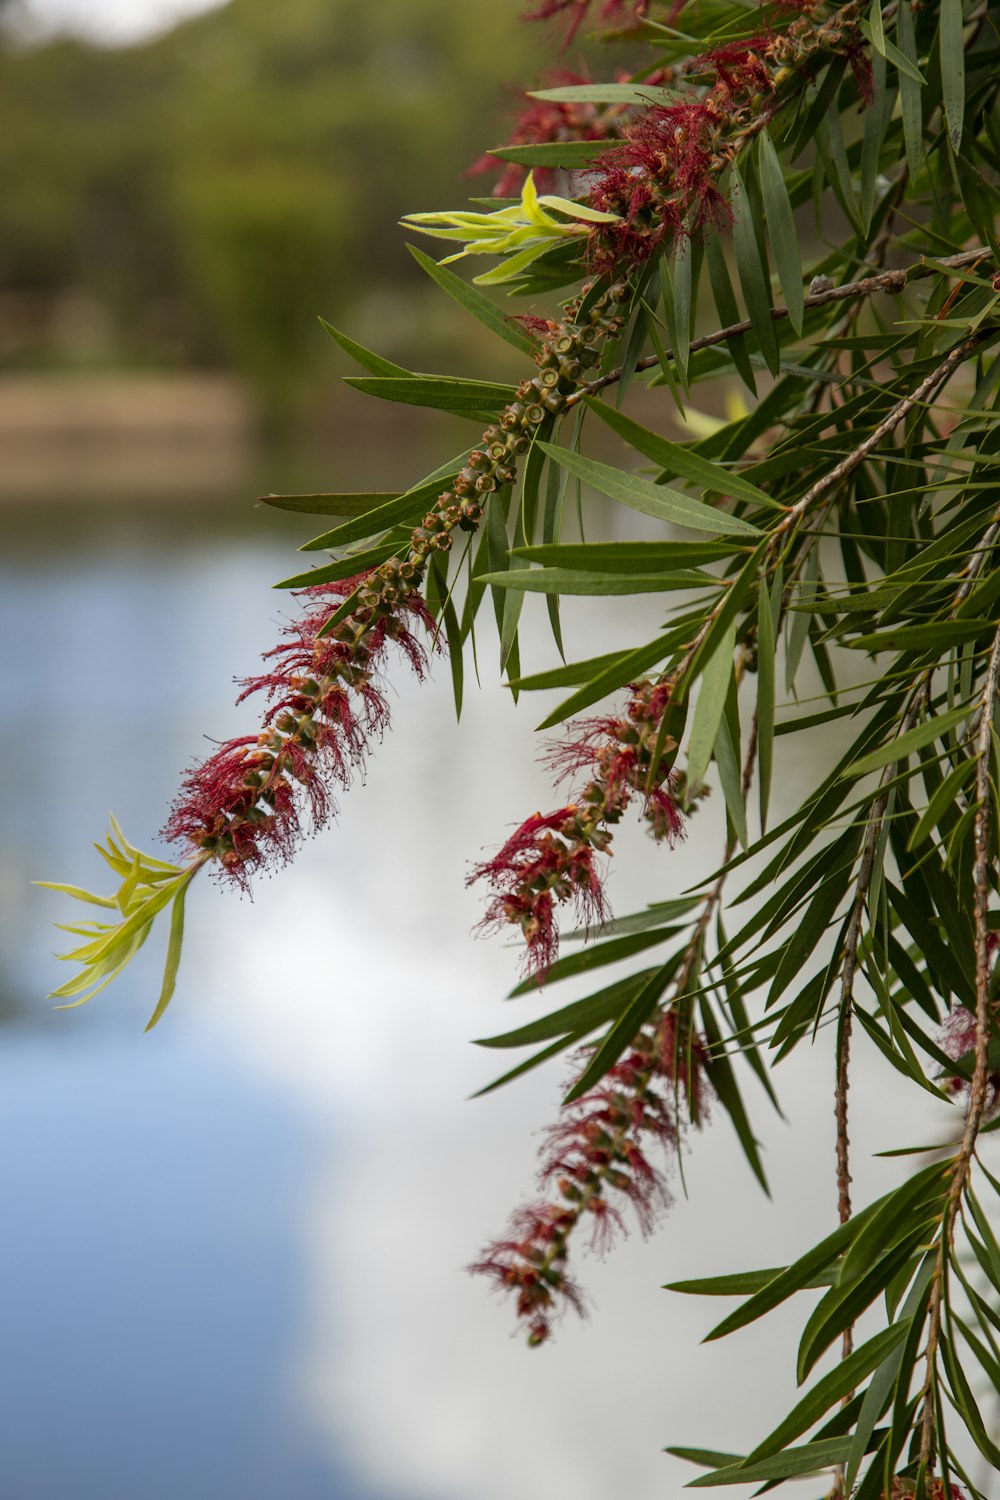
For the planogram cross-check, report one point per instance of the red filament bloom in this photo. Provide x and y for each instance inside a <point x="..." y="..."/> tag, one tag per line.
<point x="253" y="799"/>
<point x="597" y="1158"/>
<point x="551" y="858"/>
<point x="958" y="1039"/>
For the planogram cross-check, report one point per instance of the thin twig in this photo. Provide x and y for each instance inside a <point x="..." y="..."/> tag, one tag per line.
<point x="978" y="1088"/>
<point x="890" y="282"/>
<point x="924" y="392"/>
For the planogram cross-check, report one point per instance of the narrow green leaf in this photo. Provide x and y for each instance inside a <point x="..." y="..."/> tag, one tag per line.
<point x="474" y="302"/>
<point x="952" y="49"/>
<point x="529" y="1063"/>
<point x="911" y="83"/>
<point x="173" y="960"/>
<point x="943" y="800"/>
<point x="842" y="1306"/>
<point x="343" y="567"/>
<point x="794" y="1277"/>
<point x="708" y="1458"/>
<point x="788" y="1465"/>
<point x="727" y="760"/>
<point x="845" y="1378"/>
<point x="729" y="313"/>
<point x="765" y="702"/>
<point x="739" y="1283"/>
<point x="374" y="363"/>
<point x="604" y="93"/>
<point x="330" y="505"/>
<point x="753" y="275"/>
<point x="675" y="459"/>
<point x="596" y="955"/>
<point x="569" y="581"/>
<point x="941" y="633"/>
<point x="722" y="1079"/>
<point x="914" y="1202"/>
<point x="479" y="400"/>
<point x="573" y="155"/>
<point x="904" y="744"/>
<point x="625" y="557"/>
<point x="398" y="508"/>
<point x="566" y="676"/>
<point x="798" y="632"/>
<point x="900" y="61"/>
<point x="623" y="669"/>
<point x="648" y="498"/>
<point x="781" y="230"/>
<point x="624" y="1030"/>
<point x="78" y="893"/>
<point x="575" y="1019"/>
<point x="710" y="706"/>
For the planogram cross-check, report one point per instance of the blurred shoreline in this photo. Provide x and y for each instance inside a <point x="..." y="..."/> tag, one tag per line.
<point x="68" y="437"/>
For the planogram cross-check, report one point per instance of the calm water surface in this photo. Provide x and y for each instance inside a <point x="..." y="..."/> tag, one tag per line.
<point x="231" y="1267"/>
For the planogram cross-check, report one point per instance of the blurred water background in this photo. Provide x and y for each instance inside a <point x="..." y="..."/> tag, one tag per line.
<point x="231" y="1267"/>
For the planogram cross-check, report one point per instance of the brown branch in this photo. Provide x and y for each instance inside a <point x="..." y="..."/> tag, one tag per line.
<point x="890" y="282"/>
<point x="924" y="392"/>
<point x="979" y="1086"/>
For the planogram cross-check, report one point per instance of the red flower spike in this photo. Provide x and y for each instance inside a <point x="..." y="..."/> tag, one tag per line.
<point x="550" y="857"/>
<point x="245" y="803"/>
<point x="596" y="1157"/>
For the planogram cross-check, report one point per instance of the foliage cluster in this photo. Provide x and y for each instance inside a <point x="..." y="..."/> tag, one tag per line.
<point x="850" y="512"/>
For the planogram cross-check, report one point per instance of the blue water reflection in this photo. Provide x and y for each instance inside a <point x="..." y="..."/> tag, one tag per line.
<point x="231" y="1267"/>
<point x="151" y="1278"/>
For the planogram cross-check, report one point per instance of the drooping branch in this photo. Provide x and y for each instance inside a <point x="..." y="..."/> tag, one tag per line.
<point x="886" y="282"/>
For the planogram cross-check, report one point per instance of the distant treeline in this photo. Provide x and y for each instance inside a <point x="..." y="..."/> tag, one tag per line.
<point x="198" y="200"/>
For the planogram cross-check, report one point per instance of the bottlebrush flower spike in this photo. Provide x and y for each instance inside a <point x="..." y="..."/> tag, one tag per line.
<point x="243" y="804"/>
<point x="596" y="1156"/>
<point x="551" y="858"/>
<point x="254" y="797"/>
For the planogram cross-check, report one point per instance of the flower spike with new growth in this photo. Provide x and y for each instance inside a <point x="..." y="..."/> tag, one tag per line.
<point x="251" y="801"/>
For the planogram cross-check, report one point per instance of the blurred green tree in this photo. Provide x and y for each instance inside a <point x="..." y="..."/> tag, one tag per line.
<point x="213" y="190"/>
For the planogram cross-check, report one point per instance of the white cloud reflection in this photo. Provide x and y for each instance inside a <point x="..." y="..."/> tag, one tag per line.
<point x="354" y="984"/>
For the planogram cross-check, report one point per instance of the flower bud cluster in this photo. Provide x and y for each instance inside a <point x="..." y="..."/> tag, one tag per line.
<point x="551" y="858"/>
<point x="250" y="801"/>
<point x="597" y="1159"/>
<point x="958" y="1039"/>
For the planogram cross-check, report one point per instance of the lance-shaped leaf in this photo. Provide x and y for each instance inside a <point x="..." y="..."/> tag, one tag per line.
<point x="651" y="499"/>
<point x="781" y="230"/>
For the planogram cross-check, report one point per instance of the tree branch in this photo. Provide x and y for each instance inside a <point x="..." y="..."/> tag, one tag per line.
<point x="978" y="1088"/>
<point x="890" y="282"/>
